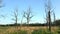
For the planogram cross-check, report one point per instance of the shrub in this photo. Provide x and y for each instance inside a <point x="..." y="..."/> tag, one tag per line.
<point x="58" y="30"/>
<point x="41" y="31"/>
<point x="38" y="31"/>
<point x="50" y="32"/>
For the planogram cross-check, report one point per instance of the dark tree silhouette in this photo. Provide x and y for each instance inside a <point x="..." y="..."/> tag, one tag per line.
<point x="48" y="13"/>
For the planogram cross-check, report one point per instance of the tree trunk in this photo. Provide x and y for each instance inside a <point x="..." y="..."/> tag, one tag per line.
<point x="49" y="21"/>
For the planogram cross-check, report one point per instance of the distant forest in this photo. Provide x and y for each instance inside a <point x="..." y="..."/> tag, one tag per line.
<point x="56" y="23"/>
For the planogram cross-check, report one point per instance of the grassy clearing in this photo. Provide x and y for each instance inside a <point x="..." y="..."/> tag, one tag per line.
<point x="27" y="30"/>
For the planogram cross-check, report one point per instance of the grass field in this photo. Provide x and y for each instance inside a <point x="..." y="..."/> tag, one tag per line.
<point x="29" y="30"/>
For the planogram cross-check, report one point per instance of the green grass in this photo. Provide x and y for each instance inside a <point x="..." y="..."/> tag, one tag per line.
<point x="58" y="30"/>
<point x="41" y="31"/>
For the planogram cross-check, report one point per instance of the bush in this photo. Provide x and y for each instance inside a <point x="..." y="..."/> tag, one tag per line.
<point x="50" y="32"/>
<point x="38" y="32"/>
<point x="58" y="30"/>
<point x="41" y="31"/>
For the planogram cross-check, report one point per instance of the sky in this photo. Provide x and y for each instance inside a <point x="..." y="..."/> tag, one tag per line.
<point x="37" y="9"/>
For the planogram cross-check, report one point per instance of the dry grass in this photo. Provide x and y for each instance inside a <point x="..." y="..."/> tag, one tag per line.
<point x="28" y="29"/>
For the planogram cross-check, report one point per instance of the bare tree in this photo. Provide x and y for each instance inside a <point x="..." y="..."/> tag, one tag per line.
<point x="15" y="18"/>
<point x="21" y="21"/>
<point x="48" y="13"/>
<point x="28" y="15"/>
<point x="46" y="16"/>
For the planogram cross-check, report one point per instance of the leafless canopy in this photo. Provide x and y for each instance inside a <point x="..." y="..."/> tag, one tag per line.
<point x="28" y="15"/>
<point x="15" y="16"/>
<point x="48" y="13"/>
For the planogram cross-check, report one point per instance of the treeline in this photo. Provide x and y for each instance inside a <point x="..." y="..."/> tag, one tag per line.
<point x="55" y="23"/>
<point x="29" y="25"/>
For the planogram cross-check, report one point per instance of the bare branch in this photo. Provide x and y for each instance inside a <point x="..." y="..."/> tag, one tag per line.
<point x="48" y="13"/>
<point x="28" y="15"/>
<point x="15" y="16"/>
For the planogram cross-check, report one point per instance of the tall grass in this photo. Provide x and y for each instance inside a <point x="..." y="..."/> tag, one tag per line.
<point x="25" y="30"/>
<point x="19" y="32"/>
<point x="41" y="31"/>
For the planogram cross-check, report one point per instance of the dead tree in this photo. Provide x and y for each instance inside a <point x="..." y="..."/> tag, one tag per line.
<point x="15" y="18"/>
<point x="28" y="15"/>
<point x="49" y="18"/>
<point x="22" y="20"/>
<point x="48" y="10"/>
<point x="46" y="17"/>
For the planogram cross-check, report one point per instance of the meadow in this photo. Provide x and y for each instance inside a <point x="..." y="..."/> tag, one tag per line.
<point x="29" y="30"/>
